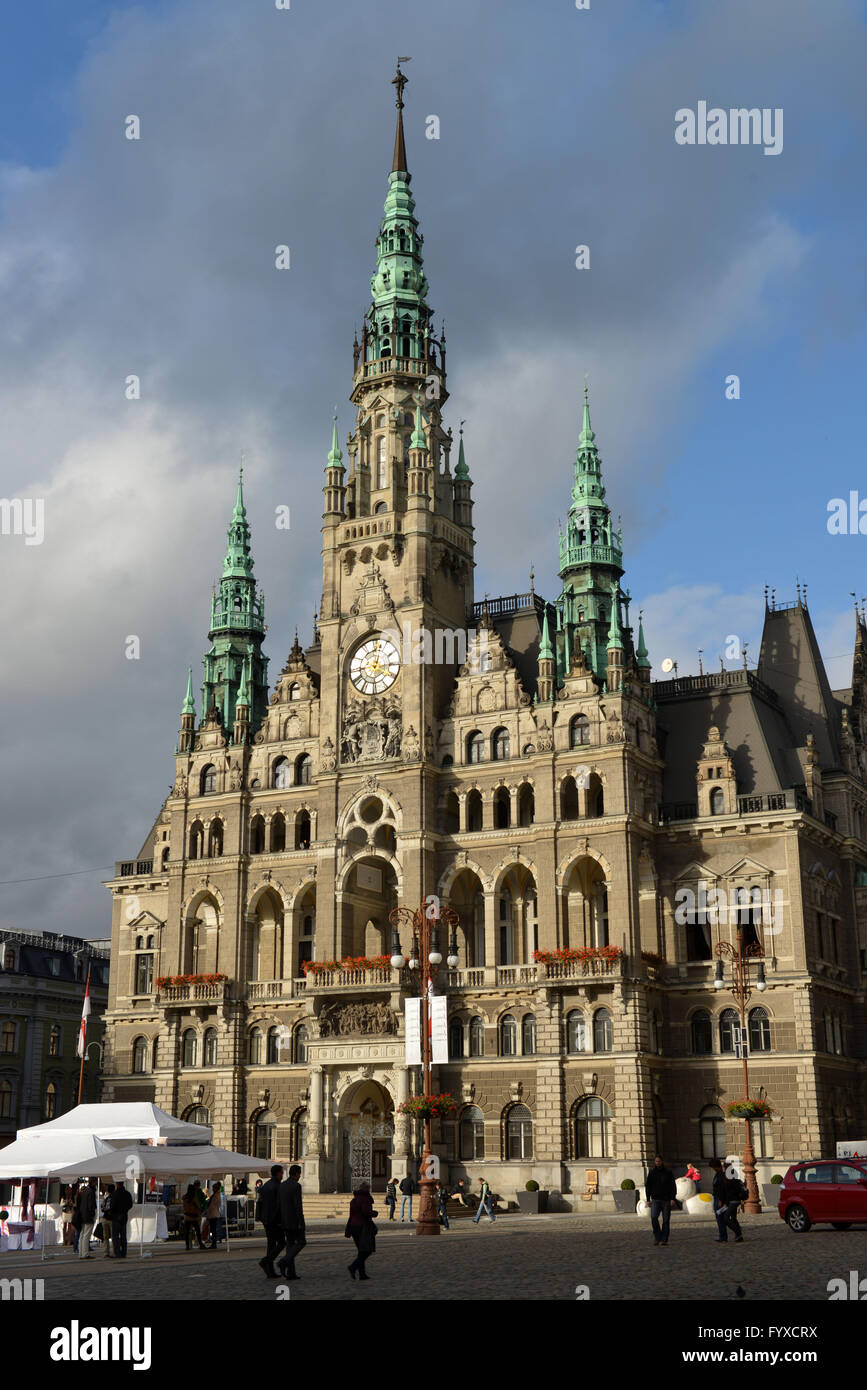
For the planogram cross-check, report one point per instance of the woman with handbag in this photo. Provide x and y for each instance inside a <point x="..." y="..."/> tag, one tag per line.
<point x="361" y="1228"/>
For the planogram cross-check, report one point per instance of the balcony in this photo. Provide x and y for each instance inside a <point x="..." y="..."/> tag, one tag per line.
<point x="370" y="977"/>
<point x="510" y="976"/>
<point x="180" y="995"/>
<point x="259" y="990"/>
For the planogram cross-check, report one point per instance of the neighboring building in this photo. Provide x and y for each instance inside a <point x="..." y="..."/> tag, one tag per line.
<point x="540" y="783"/>
<point x="42" y="983"/>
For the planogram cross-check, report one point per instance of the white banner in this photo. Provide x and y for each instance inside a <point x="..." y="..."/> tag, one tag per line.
<point x="413" y="1032"/>
<point x="439" y="1032"/>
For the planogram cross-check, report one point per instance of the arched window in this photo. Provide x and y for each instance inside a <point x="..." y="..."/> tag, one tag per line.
<point x="54" y="1040"/>
<point x="5" y="1100"/>
<point x="140" y="1053"/>
<point x="189" y="1047"/>
<point x="300" y="1044"/>
<point x="282" y="773"/>
<point x="451" y="814"/>
<point x="8" y="1036"/>
<point x="254" y="1054"/>
<point x="472" y="1134"/>
<point x="579" y="731"/>
<point x="164" y="857"/>
<point x="278" y="833"/>
<point x="273" y="1046"/>
<point x="500" y="745"/>
<point x="729" y="1020"/>
<point x="502" y="808"/>
<point x="215" y="839"/>
<point x="477" y="1037"/>
<point x="257" y="835"/>
<point x="700" y="1032"/>
<point x="197" y="840"/>
<point x="210" y="1048"/>
<point x="603" y="1033"/>
<point x="50" y="1101"/>
<point x="474" y="810"/>
<point x="712" y="1128"/>
<point x="303" y="770"/>
<point x="298" y="1135"/>
<point x="380" y="508"/>
<point x="475" y="747"/>
<point x="508" y="1036"/>
<point x="717" y="802"/>
<point x="198" y="1115"/>
<point x="592" y="1124"/>
<point x="576" y="1031"/>
<point x="302" y="830"/>
<point x="456" y="1038"/>
<point x="264" y="1132"/>
<point x="528" y="1035"/>
<point x="595" y="796"/>
<point x="295" y="691"/>
<point x="569" y="800"/>
<point x="519" y="1133"/>
<point x="526" y="805"/>
<point x="208" y="780"/>
<point x="760" y="1030"/>
<point x="305" y="942"/>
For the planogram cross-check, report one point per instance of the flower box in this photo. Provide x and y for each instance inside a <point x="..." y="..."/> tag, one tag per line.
<point x="567" y="954"/>
<point x="748" y="1109"/>
<point x="348" y="963"/>
<point x="428" y="1107"/>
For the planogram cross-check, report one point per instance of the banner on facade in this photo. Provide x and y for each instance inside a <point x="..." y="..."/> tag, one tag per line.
<point x="413" y="1032"/>
<point x="439" y="1029"/>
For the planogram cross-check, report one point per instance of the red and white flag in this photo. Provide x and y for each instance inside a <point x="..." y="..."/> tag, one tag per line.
<point x="85" y="1011"/>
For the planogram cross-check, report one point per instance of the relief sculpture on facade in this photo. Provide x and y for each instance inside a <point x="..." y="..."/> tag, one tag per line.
<point x="348" y="1020"/>
<point x="372" y="730"/>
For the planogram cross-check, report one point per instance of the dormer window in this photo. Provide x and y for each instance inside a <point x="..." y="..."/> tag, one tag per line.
<point x="295" y="692"/>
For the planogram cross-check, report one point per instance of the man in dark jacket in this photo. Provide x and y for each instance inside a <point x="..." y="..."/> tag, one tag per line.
<point x="268" y="1212"/>
<point x="121" y="1204"/>
<point x="292" y="1220"/>
<point x="407" y="1188"/>
<point x="660" y="1191"/>
<point x="727" y="1193"/>
<point x="86" y="1204"/>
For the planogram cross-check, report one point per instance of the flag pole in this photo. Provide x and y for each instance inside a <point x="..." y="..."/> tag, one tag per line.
<point x="82" y="1037"/>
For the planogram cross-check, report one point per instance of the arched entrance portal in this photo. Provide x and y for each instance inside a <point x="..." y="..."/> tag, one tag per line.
<point x="366" y="1136"/>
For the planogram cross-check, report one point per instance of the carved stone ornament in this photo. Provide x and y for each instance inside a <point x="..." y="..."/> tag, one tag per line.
<point x="372" y="730"/>
<point x="328" y="758"/>
<point x="545" y="739"/>
<point x="180" y="787"/>
<point x="411" y="749"/>
<point x="348" y="1020"/>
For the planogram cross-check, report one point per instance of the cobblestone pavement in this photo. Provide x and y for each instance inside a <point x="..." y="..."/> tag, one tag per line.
<point x="519" y="1257"/>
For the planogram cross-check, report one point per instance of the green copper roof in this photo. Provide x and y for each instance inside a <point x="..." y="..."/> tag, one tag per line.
<point x="335" y="457"/>
<point x="243" y="693"/>
<point x="546" y="650"/>
<point x="238" y="561"/>
<point x="462" y="471"/>
<point x="236" y="630"/>
<point x="589" y="537"/>
<point x="189" y="705"/>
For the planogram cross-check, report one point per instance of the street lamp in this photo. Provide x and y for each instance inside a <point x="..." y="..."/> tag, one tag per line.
<point x="740" y="957"/>
<point x="424" y="962"/>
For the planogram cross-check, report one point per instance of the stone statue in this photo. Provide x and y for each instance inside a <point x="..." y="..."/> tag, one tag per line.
<point x="328" y="760"/>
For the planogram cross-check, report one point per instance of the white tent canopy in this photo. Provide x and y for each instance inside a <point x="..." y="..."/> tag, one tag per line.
<point x="39" y="1155"/>
<point x="167" y="1161"/>
<point x="122" y="1120"/>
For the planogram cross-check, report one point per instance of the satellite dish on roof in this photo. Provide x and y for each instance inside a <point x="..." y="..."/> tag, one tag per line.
<point x="668" y="665"/>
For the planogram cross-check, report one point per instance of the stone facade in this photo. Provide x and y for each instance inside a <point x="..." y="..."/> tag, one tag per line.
<point x="513" y="757"/>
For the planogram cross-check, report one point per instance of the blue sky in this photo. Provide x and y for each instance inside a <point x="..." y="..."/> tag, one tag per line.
<point x="261" y="127"/>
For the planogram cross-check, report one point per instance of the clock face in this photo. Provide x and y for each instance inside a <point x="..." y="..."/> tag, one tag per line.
<point x="374" y="666"/>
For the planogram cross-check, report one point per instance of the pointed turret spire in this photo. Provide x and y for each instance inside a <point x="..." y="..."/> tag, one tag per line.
<point x="335" y="457"/>
<point x="243" y="693"/>
<point x="418" y="440"/>
<point x="461" y="471"/>
<point x="399" y="162"/>
<point x="615" y="632"/>
<point x="237" y="628"/>
<point x="641" y="654"/>
<point x="189" y="705"/>
<point x="546" y="649"/>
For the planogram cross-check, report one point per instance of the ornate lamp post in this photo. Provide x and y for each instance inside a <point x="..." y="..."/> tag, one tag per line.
<point x="740" y="957"/>
<point x="425" y="959"/>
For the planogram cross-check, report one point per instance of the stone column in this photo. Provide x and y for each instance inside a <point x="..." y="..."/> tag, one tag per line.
<point x="490" y="937"/>
<point x="315" y="1149"/>
<point x="402" y="1131"/>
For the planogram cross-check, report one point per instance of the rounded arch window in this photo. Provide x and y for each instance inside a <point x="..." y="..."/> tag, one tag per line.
<point x="210" y="1048"/>
<point x="282" y="772"/>
<point x="140" y="1056"/>
<point x="456" y="1038"/>
<point x="265" y="1130"/>
<point x="700" y="1033"/>
<point x="254" y="1053"/>
<point x="380" y="508"/>
<point x="301" y="1044"/>
<point x="198" y="1115"/>
<point x="472" y="1134"/>
<point x="475" y="747"/>
<point x="477" y="1037"/>
<point x="592" y="1126"/>
<point x="274" y="1037"/>
<point x="5" y="1100"/>
<point x="50" y="1101"/>
<point x="717" y="802"/>
<point x="257" y="835"/>
<point x="579" y="731"/>
<point x="519" y="1133"/>
<point x="208" y="779"/>
<point x="759" y="1030"/>
<point x="508" y="1036"/>
<point x="295" y="691"/>
<point x="303" y="770"/>
<point x="603" y="1033"/>
<point x="712" y="1127"/>
<point x="500" y="746"/>
<point x="189" y="1047"/>
<point x="728" y="1022"/>
<point x="576" y="1031"/>
<point x="528" y="1035"/>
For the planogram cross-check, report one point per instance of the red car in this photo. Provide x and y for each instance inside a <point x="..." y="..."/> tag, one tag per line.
<point x="831" y="1190"/>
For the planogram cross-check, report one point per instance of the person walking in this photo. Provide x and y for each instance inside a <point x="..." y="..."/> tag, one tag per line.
<point x="86" y="1207"/>
<point x="121" y="1205"/>
<point x="727" y="1194"/>
<point x="292" y="1221"/>
<point x="106" y="1219"/>
<point x="362" y="1229"/>
<point x="192" y="1218"/>
<point x="268" y="1212"/>
<point x="407" y="1188"/>
<point x="441" y="1206"/>
<point x="215" y="1216"/>
<point x="67" y="1207"/>
<point x="391" y="1197"/>
<point x="660" y="1190"/>
<point x="486" y="1202"/>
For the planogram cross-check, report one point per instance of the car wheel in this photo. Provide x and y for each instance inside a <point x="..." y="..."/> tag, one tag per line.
<point x="841" y="1225"/>
<point x="798" y="1219"/>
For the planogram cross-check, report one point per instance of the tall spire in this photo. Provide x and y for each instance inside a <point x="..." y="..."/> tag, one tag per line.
<point x="615" y="632"/>
<point x="399" y="161"/>
<point x="238" y="561"/>
<point x="237" y="628"/>
<point x="189" y="705"/>
<point x="641" y="654"/>
<point x="546" y="650"/>
<point x="335" y="457"/>
<point x="462" y="471"/>
<point x="418" y="440"/>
